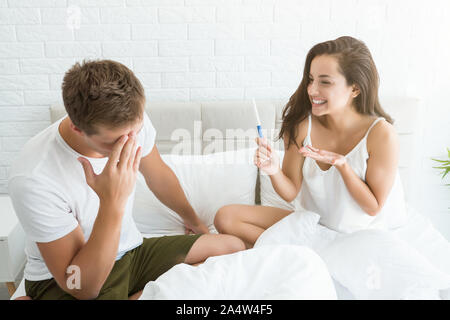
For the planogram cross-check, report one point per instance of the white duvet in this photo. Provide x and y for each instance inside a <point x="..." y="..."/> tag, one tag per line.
<point x="295" y="258"/>
<point x="412" y="262"/>
<point x="269" y="272"/>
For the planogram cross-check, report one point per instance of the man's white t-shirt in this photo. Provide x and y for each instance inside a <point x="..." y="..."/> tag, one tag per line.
<point x="51" y="198"/>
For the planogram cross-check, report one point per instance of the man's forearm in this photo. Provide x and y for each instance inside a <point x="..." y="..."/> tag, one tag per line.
<point x="96" y="258"/>
<point x="168" y="190"/>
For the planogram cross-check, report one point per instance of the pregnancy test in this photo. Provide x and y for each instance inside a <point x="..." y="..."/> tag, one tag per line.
<point x="258" y="126"/>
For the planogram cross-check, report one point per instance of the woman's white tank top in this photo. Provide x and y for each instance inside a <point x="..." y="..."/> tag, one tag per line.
<point x="325" y="193"/>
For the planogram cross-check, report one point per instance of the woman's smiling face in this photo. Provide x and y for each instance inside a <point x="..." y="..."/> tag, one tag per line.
<point x="327" y="88"/>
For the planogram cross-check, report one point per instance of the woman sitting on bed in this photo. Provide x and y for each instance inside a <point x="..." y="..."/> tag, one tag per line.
<point x="341" y="150"/>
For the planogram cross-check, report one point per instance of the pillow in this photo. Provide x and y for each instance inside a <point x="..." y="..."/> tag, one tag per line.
<point x="208" y="181"/>
<point x="269" y="197"/>
<point x="377" y="264"/>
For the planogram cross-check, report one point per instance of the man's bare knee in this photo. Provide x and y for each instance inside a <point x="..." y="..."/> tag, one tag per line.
<point x="234" y="244"/>
<point x="213" y="245"/>
<point x="227" y="244"/>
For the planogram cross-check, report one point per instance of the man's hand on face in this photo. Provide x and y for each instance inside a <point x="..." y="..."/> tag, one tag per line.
<point x="117" y="180"/>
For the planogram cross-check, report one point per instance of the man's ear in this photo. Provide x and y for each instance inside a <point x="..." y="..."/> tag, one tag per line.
<point x="75" y="129"/>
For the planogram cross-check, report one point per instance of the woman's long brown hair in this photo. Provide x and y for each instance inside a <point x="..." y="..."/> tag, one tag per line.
<point x="355" y="64"/>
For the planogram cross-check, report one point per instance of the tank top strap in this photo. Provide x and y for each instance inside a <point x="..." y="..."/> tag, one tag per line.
<point x="308" y="135"/>
<point x="372" y="125"/>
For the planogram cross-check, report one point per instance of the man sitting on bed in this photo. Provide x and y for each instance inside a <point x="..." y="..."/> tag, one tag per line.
<point x="73" y="190"/>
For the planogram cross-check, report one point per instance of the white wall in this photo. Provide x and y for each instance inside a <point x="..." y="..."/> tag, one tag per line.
<point x="230" y="49"/>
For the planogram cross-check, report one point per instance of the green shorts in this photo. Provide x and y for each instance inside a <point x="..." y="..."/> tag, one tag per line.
<point x="131" y="273"/>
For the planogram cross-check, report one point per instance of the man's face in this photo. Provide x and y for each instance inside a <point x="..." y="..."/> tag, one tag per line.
<point x="105" y="138"/>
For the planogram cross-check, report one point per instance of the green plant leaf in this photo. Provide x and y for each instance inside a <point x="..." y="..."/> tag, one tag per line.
<point x="444" y="165"/>
<point x="445" y="173"/>
<point x="442" y="161"/>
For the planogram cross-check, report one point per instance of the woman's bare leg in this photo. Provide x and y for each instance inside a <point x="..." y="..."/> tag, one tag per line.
<point x="247" y="222"/>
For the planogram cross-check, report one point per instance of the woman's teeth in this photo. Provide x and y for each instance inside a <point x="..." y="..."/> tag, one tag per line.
<point x="319" y="101"/>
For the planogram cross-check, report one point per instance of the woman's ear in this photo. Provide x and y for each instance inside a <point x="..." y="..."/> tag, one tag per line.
<point x="355" y="91"/>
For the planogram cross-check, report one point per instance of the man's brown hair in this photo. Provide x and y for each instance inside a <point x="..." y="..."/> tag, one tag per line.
<point x="102" y="92"/>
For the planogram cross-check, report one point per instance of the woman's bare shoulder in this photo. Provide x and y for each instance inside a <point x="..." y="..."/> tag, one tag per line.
<point x="382" y="134"/>
<point x="302" y="131"/>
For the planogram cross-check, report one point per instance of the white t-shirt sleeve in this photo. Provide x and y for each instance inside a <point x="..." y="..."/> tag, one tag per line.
<point x="147" y="136"/>
<point x="42" y="211"/>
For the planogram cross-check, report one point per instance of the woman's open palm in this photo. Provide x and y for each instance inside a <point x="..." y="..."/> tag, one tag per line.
<point x="324" y="156"/>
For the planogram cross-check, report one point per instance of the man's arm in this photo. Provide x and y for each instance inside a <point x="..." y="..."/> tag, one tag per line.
<point x="95" y="259"/>
<point x="163" y="182"/>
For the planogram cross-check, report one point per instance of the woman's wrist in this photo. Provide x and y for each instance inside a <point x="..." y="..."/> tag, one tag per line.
<point x="275" y="172"/>
<point x="342" y="166"/>
<point x="276" y="177"/>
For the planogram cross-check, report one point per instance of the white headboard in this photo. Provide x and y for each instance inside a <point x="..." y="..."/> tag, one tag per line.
<point x="205" y="127"/>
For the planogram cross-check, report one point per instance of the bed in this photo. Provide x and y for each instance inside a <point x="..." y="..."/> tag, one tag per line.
<point x="206" y="142"/>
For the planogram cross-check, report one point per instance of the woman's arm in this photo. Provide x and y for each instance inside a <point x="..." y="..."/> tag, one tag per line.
<point x="288" y="180"/>
<point x="383" y="148"/>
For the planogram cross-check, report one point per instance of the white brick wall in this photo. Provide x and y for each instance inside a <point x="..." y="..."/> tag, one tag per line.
<point x="222" y="49"/>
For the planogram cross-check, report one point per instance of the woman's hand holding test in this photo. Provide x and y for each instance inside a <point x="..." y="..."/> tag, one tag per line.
<point x="266" y="159"/>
